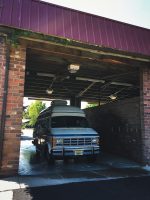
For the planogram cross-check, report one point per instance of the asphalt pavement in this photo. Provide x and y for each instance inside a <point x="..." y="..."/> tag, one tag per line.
<point x="118" y="189"/>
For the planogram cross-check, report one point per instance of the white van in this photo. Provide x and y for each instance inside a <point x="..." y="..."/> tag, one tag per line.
<point x="63" y="132"/>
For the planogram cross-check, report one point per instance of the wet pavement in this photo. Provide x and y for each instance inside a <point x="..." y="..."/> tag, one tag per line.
<point x="107" y="166"/>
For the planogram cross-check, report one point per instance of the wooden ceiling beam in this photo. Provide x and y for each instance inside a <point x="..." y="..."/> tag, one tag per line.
<point x="38" y="43"/>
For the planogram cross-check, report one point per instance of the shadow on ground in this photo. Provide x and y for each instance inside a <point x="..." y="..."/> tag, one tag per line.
<point x="128" y="188"/>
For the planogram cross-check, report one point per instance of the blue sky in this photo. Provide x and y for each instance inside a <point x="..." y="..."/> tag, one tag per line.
<point x="135" y="12"/>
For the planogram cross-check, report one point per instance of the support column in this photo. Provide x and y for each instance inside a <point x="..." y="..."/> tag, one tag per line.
<point x="2" y="93"/>
<point x="78" y="102"/>
<point x="75" y="101"/>
<point x="2" y="71"/>
<point x="145" y="114"/>
<point x="72" y="101"/>
<point x="14" y="108"/>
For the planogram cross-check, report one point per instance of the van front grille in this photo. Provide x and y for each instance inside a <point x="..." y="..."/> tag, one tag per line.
<point x="77" y="141"/>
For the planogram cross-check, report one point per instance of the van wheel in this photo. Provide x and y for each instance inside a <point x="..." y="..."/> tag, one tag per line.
<point x="92" y="159"/>
<point x="38" y="154"/>
<point x="66" y="160"/>
<point x="49" y="158"/>
<point x="45" y="152"/>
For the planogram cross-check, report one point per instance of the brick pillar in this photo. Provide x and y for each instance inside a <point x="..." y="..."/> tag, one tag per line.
<point x="145" y="114"/>
<point x="14" y="107"/>
<point x="2" y="77"/>
<point x="2" y="71"/>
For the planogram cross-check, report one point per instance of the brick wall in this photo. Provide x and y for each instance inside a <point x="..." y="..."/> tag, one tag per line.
<point x="11" y="144"/>
<point x="119" y="126"/>
<point x="145" y="114"/>
<point x="2" y="70"/>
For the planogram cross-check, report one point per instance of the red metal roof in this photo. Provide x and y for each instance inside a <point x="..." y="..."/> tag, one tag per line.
<point x="55" y="20"/>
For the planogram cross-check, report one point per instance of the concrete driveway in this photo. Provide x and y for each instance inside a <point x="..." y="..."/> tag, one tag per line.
<point x="37" y="173"/>
<point x="107" y="166"/>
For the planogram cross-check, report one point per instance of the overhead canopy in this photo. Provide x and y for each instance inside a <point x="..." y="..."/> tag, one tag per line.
<point x="97" y="78"/>
<point x="38" y="16"/>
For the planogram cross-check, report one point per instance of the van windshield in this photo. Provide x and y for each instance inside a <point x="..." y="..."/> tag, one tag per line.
<point x="69" y="122"/>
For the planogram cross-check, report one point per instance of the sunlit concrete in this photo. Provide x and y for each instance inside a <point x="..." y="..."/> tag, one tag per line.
<point x="8" y="195"/>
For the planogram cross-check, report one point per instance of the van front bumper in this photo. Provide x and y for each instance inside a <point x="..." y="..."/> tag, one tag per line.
<point x="75" y="151"/>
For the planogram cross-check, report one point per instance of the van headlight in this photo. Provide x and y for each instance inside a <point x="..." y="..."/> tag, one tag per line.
<point x="95" y="140"/>
<point x="59" y="141"/>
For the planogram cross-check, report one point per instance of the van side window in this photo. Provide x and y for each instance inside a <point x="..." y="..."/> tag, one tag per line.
<point x="44" y="124"/>
<point x="69" y="121"/>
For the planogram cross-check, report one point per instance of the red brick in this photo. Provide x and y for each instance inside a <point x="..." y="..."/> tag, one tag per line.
<point x="145" y="113"/>
<point x="14" y="108"/>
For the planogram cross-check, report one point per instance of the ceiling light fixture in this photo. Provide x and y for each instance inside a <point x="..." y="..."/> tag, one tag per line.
<point x="113" y="97"/>
<point x="73" y="68"/>
<point x="49" y="89"/>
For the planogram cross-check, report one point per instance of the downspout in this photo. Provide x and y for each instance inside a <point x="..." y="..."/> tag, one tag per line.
<point x="4" y="103"/>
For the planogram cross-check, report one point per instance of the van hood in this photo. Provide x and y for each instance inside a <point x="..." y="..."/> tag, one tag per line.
<point x="73" y="132"/>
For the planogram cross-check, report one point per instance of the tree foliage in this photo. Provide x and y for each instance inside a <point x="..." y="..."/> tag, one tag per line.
<point x="26" y="114"/>
<point x="91" y="105"/>
<point x="33" y="111"/>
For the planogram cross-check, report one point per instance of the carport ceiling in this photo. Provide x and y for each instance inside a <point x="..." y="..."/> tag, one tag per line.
<point x="95" y="80"/>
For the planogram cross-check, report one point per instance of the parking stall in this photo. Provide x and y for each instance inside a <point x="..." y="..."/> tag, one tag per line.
<point x="78" y="57"/>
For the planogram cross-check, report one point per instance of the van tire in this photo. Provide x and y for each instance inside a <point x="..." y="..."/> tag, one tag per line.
<point x="49" y="158"/>
<point x="66" y="160"/>
<point x="38" y="153"/>
<point x="92" y="159"/>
